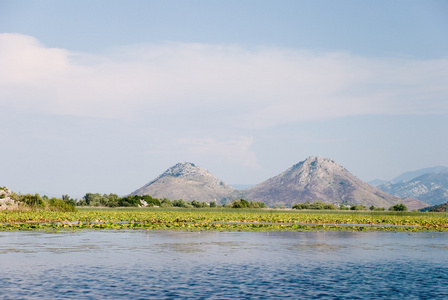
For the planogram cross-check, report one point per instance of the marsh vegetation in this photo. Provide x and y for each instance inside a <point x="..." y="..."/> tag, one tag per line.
<point x="223" y="219"/>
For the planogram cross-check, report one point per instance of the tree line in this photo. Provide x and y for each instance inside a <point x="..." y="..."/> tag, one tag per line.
<point x="319" y="205"/>
<point x="113" y="200"/>
<point x="66" y="203"/>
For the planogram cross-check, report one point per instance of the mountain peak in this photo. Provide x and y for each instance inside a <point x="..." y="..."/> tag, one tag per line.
<point x="185" y="170"/>
<point x="314" y="162"/>
<point x="316" y="168"/>
<point x="318" y="179"/>
<point x="189" y="182"/>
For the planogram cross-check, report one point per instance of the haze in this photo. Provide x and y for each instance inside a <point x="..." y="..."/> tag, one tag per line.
<point x="103" y="96"/>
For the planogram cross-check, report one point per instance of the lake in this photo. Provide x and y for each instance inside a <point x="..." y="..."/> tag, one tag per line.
<point x="140" y="264"/>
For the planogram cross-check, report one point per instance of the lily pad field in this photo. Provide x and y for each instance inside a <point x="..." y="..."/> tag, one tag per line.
<point x="222" y="220"/>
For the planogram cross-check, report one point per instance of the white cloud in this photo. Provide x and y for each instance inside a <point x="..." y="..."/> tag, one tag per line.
<point x="252" y="88"/>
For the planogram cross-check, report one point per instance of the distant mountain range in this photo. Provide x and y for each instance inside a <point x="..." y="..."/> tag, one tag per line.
<point x="408" y="175"/>
<point x="429" y="185"/>
<point x="315" y="179"/>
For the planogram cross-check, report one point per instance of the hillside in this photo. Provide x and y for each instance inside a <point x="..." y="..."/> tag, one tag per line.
<point x="431" y="188"/>
<point x="322" y="179"/>
<point x="188" y="182"/>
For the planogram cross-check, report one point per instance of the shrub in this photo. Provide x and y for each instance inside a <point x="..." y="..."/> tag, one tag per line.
<point x="56" y="204"/>
<point x="398" y="207"/>
<point x="33" y="201"/>
<point x="358" y="207"/>
<point x="246" y="204"/>
<point x="318" y="205"/>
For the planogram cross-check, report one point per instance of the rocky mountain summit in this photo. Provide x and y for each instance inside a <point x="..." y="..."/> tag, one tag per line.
<point x="188" y="182"/>
<point x="321" y="179"/>
<point x="431" y="188"/>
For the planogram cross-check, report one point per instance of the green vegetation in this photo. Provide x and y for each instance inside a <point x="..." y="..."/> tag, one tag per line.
<point x="319" y="205"/>
<point x="146" y="212"/>
<point x="113" y="200"/>
<point x="437" y="208"/>
<point x="246" y="204"/>
<point x="398" y="207"/>
<point x="36" y="202"/>
<point x="223" y="219"/>
<point x="358" y="207"/>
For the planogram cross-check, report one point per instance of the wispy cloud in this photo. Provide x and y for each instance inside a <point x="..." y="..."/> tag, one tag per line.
<point x="235" y="150"/>
<point x="253" y="88"/>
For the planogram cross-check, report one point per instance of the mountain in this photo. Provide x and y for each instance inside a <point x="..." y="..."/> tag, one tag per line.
<point x="414" y="174"/>
<point x="188" y="182"/>
<point x="322" y="179"/>
<point x="408" y="176"/>
<point x="431" y="188"/>
<point x="315" y="179"/>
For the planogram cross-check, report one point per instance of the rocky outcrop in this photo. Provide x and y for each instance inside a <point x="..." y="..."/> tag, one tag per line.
<point x="5" y="201"/>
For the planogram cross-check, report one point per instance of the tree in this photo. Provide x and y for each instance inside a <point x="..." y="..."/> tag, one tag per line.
<point x="166" y="203"/>
<point x="197" y="204"/>
<point x="358" y="207"/>
<point x="34" y="201"/>
<point x="66" y="199"/>
<point x="398" y="207"/>
<point x="315" y="205"/>
<point x="246" y="204"/>
<point x="181" y="203"/>
<point x="374" y="208"/>
<point x="93" y="199"/>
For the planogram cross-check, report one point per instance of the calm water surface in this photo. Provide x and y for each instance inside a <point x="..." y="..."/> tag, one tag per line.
<point x="223" y="265"/>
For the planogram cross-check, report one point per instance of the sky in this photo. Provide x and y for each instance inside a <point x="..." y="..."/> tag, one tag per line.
<point x="104" y="96"/>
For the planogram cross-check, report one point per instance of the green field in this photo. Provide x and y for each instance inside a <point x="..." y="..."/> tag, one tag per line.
<point x="223" y="220"/>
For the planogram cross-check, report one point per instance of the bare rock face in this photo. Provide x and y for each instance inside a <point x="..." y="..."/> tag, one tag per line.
<point x="321" y="179"/>
<point x="5" y="201"/>
<point x="188" y="182"/>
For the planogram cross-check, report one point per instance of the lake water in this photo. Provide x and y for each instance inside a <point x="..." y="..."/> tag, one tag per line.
<point x="106" y="264"/>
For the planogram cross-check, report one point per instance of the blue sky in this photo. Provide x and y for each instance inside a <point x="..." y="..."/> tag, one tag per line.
<point x="103" y="96"/>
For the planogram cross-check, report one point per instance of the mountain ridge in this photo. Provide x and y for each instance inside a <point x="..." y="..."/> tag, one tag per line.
<point x="407" y="176"/>
<point x="431" y="188"/>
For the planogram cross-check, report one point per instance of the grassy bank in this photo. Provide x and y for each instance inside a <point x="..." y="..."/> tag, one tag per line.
<point x="223" y="219"/>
